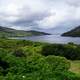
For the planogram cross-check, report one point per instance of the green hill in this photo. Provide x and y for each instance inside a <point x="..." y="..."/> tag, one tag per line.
<point x="27" y="60"/>
<point x="73" y="33"/>
<point x="8" y="32"/>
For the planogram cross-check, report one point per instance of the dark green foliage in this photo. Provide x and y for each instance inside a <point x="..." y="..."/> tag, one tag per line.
<point x="19" y="53"/>
<point x="4" y="64"/>
<point x="70" y="51"/>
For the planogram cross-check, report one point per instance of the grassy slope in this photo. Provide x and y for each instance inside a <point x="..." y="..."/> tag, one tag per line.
<point x="75" y="67"/>
<point x="74" y="32"/>
<point x="8" y="32"/>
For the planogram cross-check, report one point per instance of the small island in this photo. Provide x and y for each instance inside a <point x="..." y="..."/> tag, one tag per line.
<point x="9" y="32"/>
<point x="73" y="33"/>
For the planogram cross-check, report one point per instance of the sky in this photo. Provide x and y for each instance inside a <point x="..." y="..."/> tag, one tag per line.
<point x="39" y="14"/>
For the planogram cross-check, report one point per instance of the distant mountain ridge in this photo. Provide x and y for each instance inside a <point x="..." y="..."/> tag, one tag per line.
<point x="9" y="32"/>
<point x="73" y="33"/>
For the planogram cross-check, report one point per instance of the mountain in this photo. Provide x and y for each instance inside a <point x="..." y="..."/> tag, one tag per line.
<point x="73" y="33"/>
<point x="9" y="32"/>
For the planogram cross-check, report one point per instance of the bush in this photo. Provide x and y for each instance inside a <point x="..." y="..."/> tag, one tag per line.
<point x="58" y="63"/>
<point x="19" y="53"/>
<point x="69" y="51"/>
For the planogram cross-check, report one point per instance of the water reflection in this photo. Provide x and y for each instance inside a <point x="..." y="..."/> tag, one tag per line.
<point x="52" y="39"/>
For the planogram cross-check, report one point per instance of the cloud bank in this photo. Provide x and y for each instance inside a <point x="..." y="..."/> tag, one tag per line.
<point x="39" y="14"/>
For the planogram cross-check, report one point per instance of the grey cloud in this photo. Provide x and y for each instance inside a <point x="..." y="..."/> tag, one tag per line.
<point x="32" y="13"/>
<point x="30" y="20"/>
<point x="74" y="3"/>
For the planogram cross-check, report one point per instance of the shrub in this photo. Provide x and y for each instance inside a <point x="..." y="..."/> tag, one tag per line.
<point x="58" y="63"/>
<point x="69" y="51"/>
<point x="19" y="53"/>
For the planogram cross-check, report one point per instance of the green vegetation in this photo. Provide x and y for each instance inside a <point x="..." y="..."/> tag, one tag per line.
<point x="74" y="32"/>
<point x="70" y="51"/>
<point x="27" y="60"/>
<point x="8" y="32"/>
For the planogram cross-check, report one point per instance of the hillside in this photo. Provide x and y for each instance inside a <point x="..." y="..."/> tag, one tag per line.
<point x="73" y="33"/>
<point x="27" y="60"/>
<point x="8" y="32"/>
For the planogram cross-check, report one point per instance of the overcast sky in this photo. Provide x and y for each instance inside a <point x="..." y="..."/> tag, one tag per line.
<point x="39" y="14"/>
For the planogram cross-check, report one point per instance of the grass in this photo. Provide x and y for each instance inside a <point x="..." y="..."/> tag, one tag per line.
<point x="75" y="67"/>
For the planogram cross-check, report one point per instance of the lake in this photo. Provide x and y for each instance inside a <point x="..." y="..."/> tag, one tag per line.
<point x="51" y="39"/>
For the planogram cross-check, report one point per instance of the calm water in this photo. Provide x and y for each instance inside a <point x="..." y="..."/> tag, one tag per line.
<point x="52" y="39"/>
